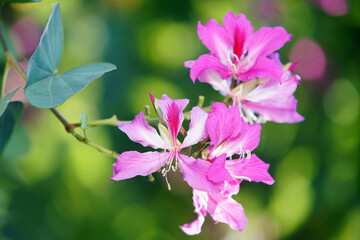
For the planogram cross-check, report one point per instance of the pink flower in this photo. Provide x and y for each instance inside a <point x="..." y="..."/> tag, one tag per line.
<point x="261" y="100"/>
<point x="230" y="135"/>
<point x="130" y="164"/>
<point x="236" y="52"/>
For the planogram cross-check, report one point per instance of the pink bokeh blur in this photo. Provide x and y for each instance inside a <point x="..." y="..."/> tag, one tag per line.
<point x="311" y="59"/>
<point x="25" y="35"/>
<point x="334" y="7"/>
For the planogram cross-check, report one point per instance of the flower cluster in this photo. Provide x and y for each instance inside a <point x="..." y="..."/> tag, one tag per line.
<point x="215" y="155"/>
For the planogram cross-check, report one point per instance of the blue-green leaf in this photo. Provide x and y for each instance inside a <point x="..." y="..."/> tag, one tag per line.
<point x="8" y="121"/>
<point x="5" y="101"/>
<point x="46" y="88"/>
<point x="46" y="59"/>
<point x="56" y="89"/>
<point x="84" y="121"/>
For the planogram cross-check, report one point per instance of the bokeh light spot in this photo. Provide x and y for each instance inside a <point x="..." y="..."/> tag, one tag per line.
<point x="168" y="44"/>
<point x="26" y="35"/>
<point x="351" y="226"/>
<point x="293" y="195"/>
<point x="341" y="102"/>
<point x="311" y="59"/>
<point x="334" y="7"/>
<point x="134" y="222"/>
<point x="138" y="93"/>
<point x="86" y="38"/>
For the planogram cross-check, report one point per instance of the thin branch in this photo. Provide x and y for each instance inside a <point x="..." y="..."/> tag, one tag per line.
<point x="70" y="129"/>
<point x="9" y="57"/>
<point x="113" y="121"/>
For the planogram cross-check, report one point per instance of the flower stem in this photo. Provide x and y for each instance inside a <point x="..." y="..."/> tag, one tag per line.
<point x="70" y="129"/>
<point x="113" y="121"/>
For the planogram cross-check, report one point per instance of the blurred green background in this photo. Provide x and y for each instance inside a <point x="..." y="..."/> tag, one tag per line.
<point x="53" y="187"/>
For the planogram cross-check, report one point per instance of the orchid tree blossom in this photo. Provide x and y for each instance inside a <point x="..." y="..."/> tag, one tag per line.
<point x="132" y="163"/>
<point x="236" y="52"/>
<point x="261" y="100"/>
<point x="229" y="135"/>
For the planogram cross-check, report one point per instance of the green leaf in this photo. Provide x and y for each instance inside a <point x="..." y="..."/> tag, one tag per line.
<point x="56" y="89"/>
<point x="17" y="145"/>
<point x="8" y="121"/>
<point x="5" y="101"/>
<point x="20" y="1"/>
<point x="84" y="121"/>
<point x="46" y="88"/>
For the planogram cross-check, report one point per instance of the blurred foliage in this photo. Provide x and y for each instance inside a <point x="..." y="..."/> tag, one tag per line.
<point x="52" y="187"/>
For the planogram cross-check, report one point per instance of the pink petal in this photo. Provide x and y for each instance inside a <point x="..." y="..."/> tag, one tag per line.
<point x="139" y="131"/>
<point x="266" y="41"/>
<point x="194" y="172"/>
<point x="197" y="131"/>
<point x="223" y="123"/>
<point x="217" y="171"/>
<point x="227" y="210"/>
<point x="281" y="112"/>
<point x="172" y="113"/>
<point x="204" y="62"/>
<point x="240" y="29"/>
<point x="262" y="68"/>
<point x="273" y="90"/>
<point x="189" y="64"/>
<point x="215" y="79"/>
<point x="194" y="227"/>
<point x="215" y="38"/>
<point x="200" y="200"/>
<point x="276" y="57"/>
<point x="132" y="163"/>
<point x="247" y="139"/>
<point x="231" y="187"/>
<point x="253" y="169"/>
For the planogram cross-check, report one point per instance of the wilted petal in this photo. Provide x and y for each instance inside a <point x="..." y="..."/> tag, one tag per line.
<point x="214" y="78"/>
<point x="204" y="62"/>
<point x="197" y="131"/>
<point x="253" y="169"/>
<point x="200" y="200"/>
<point x="189" y="64"/>
<point x="194" y="172"/>
<point x="194" y="227"/>
<point x="217" y="171"/>
<point x="239" y="29"/>
<point x="223" y="123"/>
<point x="172" y="111"/>
<point x="231" y="187"/>
<point x="227" y="210"/>
<point x="281" y="112"/>
<point x="139" y="131"/>
<point x="215" y="38"/>
<point x="132" y="163"/>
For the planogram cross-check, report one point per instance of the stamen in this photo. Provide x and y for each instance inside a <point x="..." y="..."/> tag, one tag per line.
<point x="231" y="63"/>
<point x="250" y="116"/>
<point x="241" y="177"/>
<point x="248" y="155"/>
<point x="167" y="182"/>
